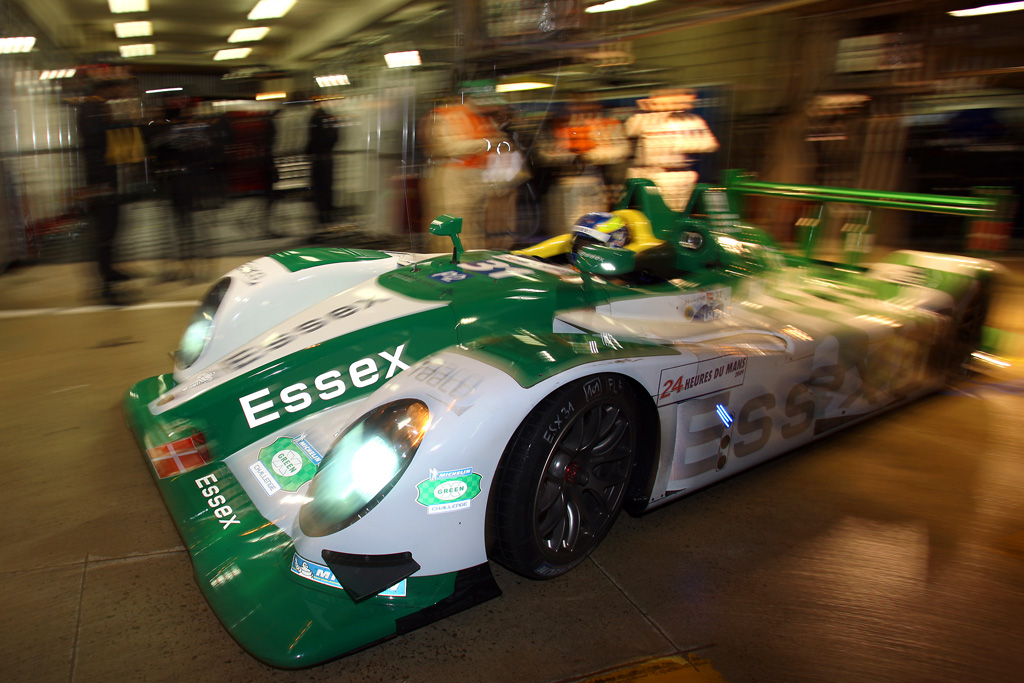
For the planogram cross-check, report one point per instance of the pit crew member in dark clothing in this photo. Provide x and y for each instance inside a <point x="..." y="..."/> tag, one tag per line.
<point x="323" y="136"/>
<point x="95" y="119"/>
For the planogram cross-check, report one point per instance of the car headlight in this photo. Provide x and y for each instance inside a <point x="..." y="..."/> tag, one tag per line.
<point x="364" y="464"/>
<point x="200" y="328"/>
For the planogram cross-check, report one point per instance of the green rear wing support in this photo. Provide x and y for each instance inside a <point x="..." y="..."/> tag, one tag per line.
<point x="988" y="206"/>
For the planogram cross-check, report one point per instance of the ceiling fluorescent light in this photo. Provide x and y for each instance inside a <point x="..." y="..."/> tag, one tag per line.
<point x="11" y="46"/>
<point x="270" y="9"/>
<point x="989" y="9"/>
<point x="133" y="29"/>
<point x="397" y="60"/>
<point x="233" y="53"/>
<point x="140" y="50"/>
<point x="150" y="92"/>
<point x="331" y="81"/>
<point x="515" y="87"/>
<point x="56" y="73"/>
<point x="615" y="5"/>
<point x="248" y="35"/>
<point x="125" y="6"/>
<point x="270" y="96"/>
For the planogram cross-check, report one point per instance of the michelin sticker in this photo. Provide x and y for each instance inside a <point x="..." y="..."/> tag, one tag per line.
<point x="448" y="491"/>
<point x="308" y="569"/>
<point x="285" y="465"/>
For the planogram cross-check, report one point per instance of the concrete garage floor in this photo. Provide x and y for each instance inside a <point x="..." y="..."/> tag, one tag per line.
<point x="891" y="552"/>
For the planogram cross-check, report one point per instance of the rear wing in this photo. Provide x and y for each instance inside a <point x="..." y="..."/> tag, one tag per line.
<point x="986" y="212"/>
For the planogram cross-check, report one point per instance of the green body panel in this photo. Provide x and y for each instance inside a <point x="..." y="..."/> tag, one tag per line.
<point x="243" y="566"/>
<point x="311" y="257"/>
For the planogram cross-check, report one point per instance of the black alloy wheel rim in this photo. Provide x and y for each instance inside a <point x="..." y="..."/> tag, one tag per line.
<point x="584" y="481"/>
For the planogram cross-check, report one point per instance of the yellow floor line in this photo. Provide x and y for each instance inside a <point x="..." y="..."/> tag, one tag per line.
<point x="675" y="669"/>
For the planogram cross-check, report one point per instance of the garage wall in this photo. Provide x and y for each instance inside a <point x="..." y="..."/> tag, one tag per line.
<point x="755" y="56"/>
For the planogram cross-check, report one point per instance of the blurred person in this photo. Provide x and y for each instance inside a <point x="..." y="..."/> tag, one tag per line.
<point x="322" y="138"/>
<point x="185" y="155"/>
<point x="584" y="146"/>
<point x="506" y="171"/>
<point x="95" y="123"/>
<point x="667" y="133"/>
<point x="460" y="138"/>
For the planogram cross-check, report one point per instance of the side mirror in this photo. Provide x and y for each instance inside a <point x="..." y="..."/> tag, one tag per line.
<point x="598" y="259"/>
<point x="446" y="225"/>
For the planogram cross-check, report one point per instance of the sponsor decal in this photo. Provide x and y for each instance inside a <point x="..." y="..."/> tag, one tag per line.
<point x="901" y="274"/>
<point x="247" y="356"/>
<point x="536" y="265"/>
<point x="496" y="269"/>
<point x="250" y="273"/>
<point x="450" y="276"/>
<point x="179" y="456"/>
<point x="285" y="465"/>
<point x="701" y="378"/>
<point x="315" y="571"/>
<point x="328" y="386"/>
<point x="221" y="510"/>
<point x="448" y="491"/>
<point x="704" y="306"/>
<point x="448" y="379"/>
<point x="200" y="379"/>
<point x="722" y="217"/>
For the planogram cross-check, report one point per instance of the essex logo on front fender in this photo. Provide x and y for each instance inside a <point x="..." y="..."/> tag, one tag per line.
<point x="216" y="500"/>
<point x="328" y="386"/>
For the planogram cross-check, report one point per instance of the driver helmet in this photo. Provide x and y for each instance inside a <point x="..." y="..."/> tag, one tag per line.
<point x="598" y="228"/>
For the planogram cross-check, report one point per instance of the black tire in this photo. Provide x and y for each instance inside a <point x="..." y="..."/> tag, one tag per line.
<point x="969" y="325"/>
<point x="564" y="477"/>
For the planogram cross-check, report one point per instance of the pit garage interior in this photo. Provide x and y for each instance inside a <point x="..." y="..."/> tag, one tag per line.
<point x="893" y="551"/>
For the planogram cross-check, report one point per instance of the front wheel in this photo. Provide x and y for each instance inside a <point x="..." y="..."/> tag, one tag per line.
<point x="564" y="476"/>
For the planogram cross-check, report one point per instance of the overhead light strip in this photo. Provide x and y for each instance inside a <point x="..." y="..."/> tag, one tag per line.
<point x="233" y="53"/>
<point x="13" y="46"/>
<point x="615" y="5"/>
<point x="989" y="9"/>
<point x="151" y="92"/>
<point x="139" y="50"/>
<point x="126" y="6"/>
<point x="396" y="60"/>
<point x="516" y="87"/>
<point x="133" y="29"/>
<point x="248" y="35"/>
<point x="270" y="9"/>
<point x="333" y="80"/>
<point x="56" y="73"/>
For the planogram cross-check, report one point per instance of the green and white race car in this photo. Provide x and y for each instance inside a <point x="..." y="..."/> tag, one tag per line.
<point x="349" y="436"/>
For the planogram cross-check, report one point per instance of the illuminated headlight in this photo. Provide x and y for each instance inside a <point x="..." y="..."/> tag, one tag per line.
<point x="363" y="466"/>
<point x="200" y="328"/>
